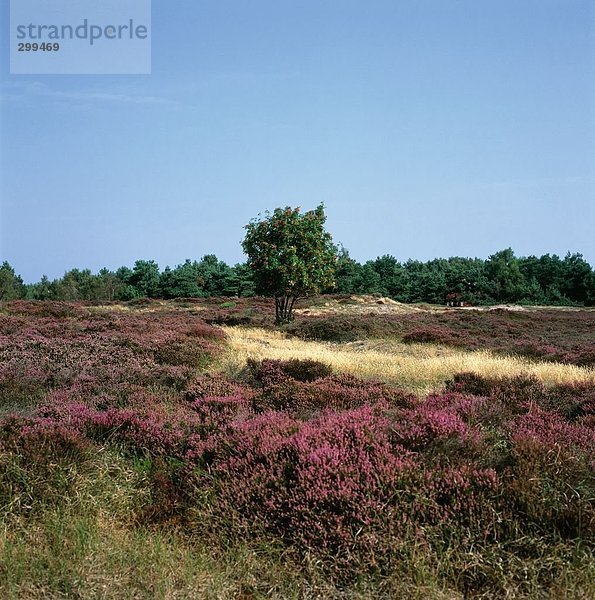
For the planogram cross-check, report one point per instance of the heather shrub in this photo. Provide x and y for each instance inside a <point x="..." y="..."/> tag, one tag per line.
<point x="328" y="329"/>
<point x="19" y="393"/>
<point x="535" y="350"/>
<point x="472" y="409"/>
<point x="433" y="335"/>
<point x="315" y="484"/>
<point x="587" y="403"/>
<point x="516" y="394"/>
<point x="215" y="385"/>
<point x="547" y="490"/>
<point x="306" y="370"/>
<point x="455" y="505"/>
<point x="437" y="430"/>
<point x="153" y="432"/>
<point x="513" y="392"/>
<point x="570" y="400"/>
<point x="216" y="414"/>
<point x="39" y="463"/>
<point x="171" y="337"/>
<point x="582" y="356"/>
<point x="268" y="372"/>
<point x="341" y="487"/>
<point x="50" y="309"/>
<point x="98" y="352"/>
<point x="194" y="353"/>
<point x="337" y="392"/>
<point x="146" y="424"/>
<point x="480" y="483"/>
<point x="551" y="430"/>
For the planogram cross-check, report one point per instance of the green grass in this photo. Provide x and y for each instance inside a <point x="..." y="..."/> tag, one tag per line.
<point x="92" y="544"/>
<point x="227" y="305"/>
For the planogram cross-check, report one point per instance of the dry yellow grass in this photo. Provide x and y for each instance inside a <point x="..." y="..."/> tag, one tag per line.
<point x="418" y="367"/>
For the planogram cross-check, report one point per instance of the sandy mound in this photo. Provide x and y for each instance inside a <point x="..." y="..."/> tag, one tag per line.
<point x="357" y="305"/>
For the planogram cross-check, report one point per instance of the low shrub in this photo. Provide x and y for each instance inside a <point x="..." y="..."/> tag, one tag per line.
<point x="336" y="392"/>
<point x="513" y="392"/>
<point x="547" y="489"/>
<point x="100" y="352"/>
<point x="314" y="484"/>
<point x="438" y="427"/>
<point x="431" y="335"/>
<point x="581" y="356"/>
<point x="39" y="462"/>
<point x="210" y="384"/>
<point x="269" y="372"/>
<point x="327" y="329"/>
<point x="517" y="393"/>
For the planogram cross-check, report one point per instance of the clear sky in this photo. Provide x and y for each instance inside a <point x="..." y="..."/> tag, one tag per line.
<point x="429" y="128"/>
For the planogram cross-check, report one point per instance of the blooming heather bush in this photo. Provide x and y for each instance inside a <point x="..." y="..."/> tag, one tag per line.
<point x="216" y="414"/>
<point x="314" y="483"/>
<point x="570" y="400"/>
<point x="206" y="385"/>
<point x="341" y="486"/>
<point x="97" y="352"/>
<point x="155" y="428"/>
<point x="456" y="503"/>
<point x="552" y="430"/>
<point x="337" y="392"/>
<point x="438" y="428"/>
<point x="51" y="309"/>
<point x="546" y="453"/>
<point x="518" y="393"/>
<point x="267" y="373"/>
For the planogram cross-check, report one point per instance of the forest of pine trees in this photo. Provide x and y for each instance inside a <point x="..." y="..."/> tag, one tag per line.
<point x="502" y="278"/>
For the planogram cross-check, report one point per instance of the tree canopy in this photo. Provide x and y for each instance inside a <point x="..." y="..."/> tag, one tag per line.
<point x="291" y="256"/>
<point x="503" y="277"/>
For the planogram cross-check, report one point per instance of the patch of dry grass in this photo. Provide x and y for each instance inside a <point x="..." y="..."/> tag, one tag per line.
<point x="418" y="367"/>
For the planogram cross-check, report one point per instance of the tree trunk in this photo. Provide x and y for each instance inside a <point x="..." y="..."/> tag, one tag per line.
<point x="284" y="309"/>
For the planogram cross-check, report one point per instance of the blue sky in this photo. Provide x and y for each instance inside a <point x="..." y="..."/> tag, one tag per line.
<point x="429" y="128"/>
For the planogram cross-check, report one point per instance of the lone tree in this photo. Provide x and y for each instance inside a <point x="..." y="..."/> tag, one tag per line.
<point x="291" y="256"/>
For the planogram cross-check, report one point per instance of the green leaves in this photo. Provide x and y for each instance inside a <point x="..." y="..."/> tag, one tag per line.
<point x="291" y="256"/>
<point x="11" y="284"/>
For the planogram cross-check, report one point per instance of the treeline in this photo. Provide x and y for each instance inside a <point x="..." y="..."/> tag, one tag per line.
<point x="192" y="279"/>
<point x="502" y="278"/>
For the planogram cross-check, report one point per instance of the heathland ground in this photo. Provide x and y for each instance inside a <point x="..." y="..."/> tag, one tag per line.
<point x="369" y="449"/>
